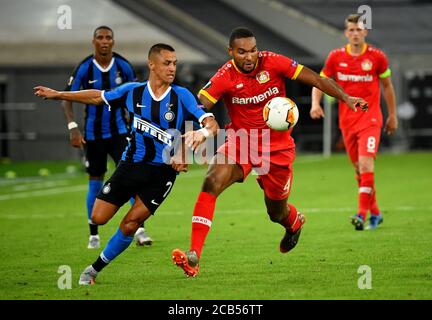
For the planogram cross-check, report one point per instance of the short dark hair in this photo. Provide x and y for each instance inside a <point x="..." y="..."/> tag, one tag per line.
<point x="352" y="18"/>
<point x="240" y="33"/>
<point x="158" y="47"/>
<point x="103" y="27"/>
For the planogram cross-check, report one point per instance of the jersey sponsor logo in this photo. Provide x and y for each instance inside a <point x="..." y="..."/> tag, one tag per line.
<point x="263" y="77"/>
<point x="294" y="63"/>
<point x="92" y="81"/>
<point x="70" y="81"/>
<point x="343" y="64"/>
<point x="143" y="126"/>
<point x="256" y="99"/>
<point x="202" y="220"/>
<point x="239" y="86"/>
<point x="154" y="202"/>
<point x="366" y="65"/>
<point x="140" y="105"/>
<point x="354" y="78"/>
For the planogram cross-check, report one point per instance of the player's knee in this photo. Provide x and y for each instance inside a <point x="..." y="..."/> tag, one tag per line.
<point x="129" y="227"/>
<point x="99" y="218"/>
<point x="212" y="185"/>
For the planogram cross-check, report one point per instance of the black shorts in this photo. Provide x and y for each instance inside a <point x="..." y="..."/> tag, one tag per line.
<point x="97" y="151"/>
<point x="150" y="182"/>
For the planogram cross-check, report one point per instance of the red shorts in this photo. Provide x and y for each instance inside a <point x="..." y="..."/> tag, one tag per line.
<point x="275" y="172"/>
<point x="362" y="143"/>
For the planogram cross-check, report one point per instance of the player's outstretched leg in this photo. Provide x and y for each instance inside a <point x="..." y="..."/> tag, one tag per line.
<point x="188" y="261"/>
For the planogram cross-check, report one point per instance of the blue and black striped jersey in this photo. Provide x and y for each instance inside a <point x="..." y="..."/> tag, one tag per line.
<point x="155" y="122"/>
<point x="99" y="122"/>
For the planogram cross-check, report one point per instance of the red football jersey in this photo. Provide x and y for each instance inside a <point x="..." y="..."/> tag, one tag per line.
<point x="359" y="77"/>
<point x="245" y="94"/>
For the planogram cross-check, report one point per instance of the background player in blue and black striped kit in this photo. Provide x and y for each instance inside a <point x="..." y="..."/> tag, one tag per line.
<point x="105" y="133"/>
<point x="159" y="111"/>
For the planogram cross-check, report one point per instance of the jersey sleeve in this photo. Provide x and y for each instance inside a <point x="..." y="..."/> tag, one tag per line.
<point x="76" y="79"/>
<point x="328" y="69"/>
<point x="383" y="69"/>
<point x="193" y="108"/>
<point x="288" y="67"/>
<point x="116" y="98"/>
<point x="216" y="87"/>
<point x="130" y="73"/>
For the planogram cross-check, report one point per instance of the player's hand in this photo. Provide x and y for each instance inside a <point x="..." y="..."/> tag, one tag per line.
<point x="76" y="138"/>
<point x="46" y="93"/>
<point x="178" y="164"/>
<point x="354" y="102"/>
<point x="180" y="167"/>
<point x="391" y="125"/>
<point x="193" y="139"/>
<point x="316" y="112"/>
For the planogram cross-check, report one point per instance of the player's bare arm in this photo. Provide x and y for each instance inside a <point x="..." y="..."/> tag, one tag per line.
<point x="330" y="87"/>
<point x="194" y="138"/>
<point x="84" y="96"/>
<point x="75" y="135"/>
<point x="391" y="123"/>
<point x="205" y="101"/>
<point x="316" y="111"/>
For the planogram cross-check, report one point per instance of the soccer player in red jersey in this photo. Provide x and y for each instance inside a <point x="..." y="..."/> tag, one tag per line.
<point x="246" y="83"/>
<point x="359" y="68"/>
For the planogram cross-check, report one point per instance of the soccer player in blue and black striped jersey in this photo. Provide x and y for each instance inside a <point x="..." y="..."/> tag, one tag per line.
<point x="105" y="133"/>
<point x="159" y="110"/>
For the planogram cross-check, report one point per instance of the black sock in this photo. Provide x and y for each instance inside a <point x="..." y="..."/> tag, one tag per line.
<point x="99" y="264"/>
<point x="93" y="229"/>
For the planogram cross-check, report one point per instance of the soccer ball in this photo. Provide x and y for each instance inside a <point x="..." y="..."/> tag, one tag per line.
<point x="280" y="113"/>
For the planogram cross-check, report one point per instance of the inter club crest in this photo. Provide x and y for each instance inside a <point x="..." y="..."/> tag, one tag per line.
<point x="169" y="115"/>
<point x="263" y="77"/>
<point x="366" y="65"/>
<point x="118" y="79"/>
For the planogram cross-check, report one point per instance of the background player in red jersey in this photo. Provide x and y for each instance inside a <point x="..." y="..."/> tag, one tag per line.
<point x="246" y="83"/>
<point x="359" y="68"/>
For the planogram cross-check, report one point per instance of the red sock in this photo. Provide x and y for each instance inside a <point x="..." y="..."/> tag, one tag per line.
<point x="201" y="220"/>
<point x="291" y="222"/>
<point x="374" y="205"/>
<point x="365" y="193"/>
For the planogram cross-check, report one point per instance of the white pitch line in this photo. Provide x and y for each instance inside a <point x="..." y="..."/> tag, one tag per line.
<point x="42" y="193"/>
<point x="309" y="210"/>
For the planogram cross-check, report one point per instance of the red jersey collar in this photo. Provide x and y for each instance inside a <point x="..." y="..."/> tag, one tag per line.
<point x="348" y="49"/>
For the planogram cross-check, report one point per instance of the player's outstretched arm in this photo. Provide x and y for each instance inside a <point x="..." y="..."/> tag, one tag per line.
<point x="194" y="138"/>
<point x="330" y="87"/>
<point x="84" y="96"/>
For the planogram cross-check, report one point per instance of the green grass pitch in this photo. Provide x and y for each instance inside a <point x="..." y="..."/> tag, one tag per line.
<point x="43" y="226"/>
